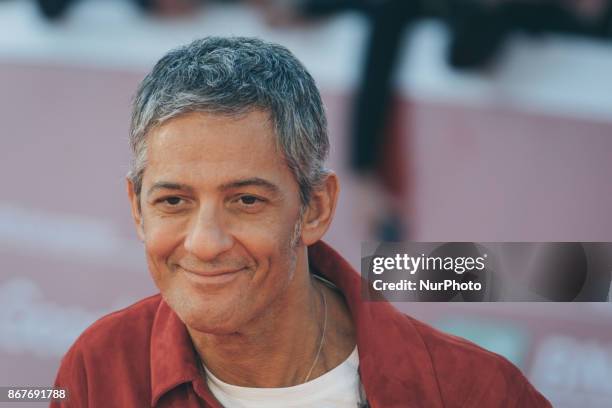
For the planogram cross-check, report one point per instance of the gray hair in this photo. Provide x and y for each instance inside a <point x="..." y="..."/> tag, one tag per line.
<point x="233" y="76"/>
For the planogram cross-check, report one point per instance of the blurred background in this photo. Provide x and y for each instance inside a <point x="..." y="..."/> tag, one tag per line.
<point x="450" y="120"/>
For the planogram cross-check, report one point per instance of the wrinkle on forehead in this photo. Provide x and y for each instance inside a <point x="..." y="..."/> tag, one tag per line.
<point x="217" y="149"/>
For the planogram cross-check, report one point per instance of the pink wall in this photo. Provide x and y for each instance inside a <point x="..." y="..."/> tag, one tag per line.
<point x="492" y="175"/>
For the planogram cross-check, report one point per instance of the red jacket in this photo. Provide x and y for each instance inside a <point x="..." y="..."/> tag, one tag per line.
<point x="142" y="356"/>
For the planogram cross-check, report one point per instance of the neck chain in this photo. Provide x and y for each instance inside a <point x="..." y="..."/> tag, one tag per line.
<point x="314" y="363"/>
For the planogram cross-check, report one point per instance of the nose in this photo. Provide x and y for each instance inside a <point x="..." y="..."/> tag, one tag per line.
<point x="208" y="237"/>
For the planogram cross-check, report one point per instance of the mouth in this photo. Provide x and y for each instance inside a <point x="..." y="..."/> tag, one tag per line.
<point x="214" y="278"/>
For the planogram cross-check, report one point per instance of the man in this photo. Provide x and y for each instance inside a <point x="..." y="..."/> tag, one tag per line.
<point x="230" y="197"/>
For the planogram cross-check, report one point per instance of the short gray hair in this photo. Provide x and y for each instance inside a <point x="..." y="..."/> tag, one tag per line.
<point x="233" y="76"/>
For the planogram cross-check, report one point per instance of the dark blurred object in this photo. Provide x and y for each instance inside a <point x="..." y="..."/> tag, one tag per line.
<point x="54" y="9"/>
<point x="476" y="35"/>
<point x="373" y="98"/>
<point x="57" y="9"/>
<point x="296" y="12"/>
<point x="478" y="30"/>
<point x="170" y="8"/>
<point x="326" y="7"/>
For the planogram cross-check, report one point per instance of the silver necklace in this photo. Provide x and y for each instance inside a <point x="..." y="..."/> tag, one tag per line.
<point x="314" y="363"/>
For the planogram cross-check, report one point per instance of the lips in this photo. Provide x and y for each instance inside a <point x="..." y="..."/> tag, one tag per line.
<point x="211" y="273"/>
<point x="215" y="277"/>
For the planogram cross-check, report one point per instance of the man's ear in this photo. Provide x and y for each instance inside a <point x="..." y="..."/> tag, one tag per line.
<point x="136" y="210"/>
<point x="320" y="210"/>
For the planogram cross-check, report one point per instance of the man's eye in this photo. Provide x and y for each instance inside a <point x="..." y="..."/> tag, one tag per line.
<point x="172" y="201"/>
<point x="249" y="200"/>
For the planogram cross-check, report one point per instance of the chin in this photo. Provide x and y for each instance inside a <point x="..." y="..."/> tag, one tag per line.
<point x="207" y="315"/>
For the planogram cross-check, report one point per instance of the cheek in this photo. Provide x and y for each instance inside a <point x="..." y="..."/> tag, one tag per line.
<point x="269" y="236"/>
<point x="270" y="244"/>
<point x="161" y="237"/>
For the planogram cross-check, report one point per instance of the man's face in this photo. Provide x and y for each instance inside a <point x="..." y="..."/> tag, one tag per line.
<point x="219" y="207"/>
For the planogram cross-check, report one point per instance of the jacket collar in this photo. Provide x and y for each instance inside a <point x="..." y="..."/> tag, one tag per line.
<point x="173" y="357"/>
<point x="394" y="363"/>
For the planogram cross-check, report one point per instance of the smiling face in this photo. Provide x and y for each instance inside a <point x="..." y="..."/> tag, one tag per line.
<point x="219" y="209"/>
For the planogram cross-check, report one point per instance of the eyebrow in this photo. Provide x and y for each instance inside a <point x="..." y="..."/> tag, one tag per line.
<point x="165" y="185"/>
<point x="253" y="181"/>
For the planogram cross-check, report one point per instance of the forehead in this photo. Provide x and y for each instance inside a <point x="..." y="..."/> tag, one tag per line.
<point x="212" y="149"/>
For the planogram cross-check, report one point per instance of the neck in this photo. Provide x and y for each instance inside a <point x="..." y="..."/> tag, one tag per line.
<point x="279" y="347"/>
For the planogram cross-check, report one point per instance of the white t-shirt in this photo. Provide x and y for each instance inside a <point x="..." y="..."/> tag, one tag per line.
<point x="338" y="388"/>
